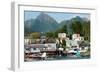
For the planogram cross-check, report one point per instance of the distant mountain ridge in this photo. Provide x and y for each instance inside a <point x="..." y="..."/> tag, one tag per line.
<point x="45" y="23"/>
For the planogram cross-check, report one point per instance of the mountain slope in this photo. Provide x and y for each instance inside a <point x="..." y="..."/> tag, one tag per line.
<point x="44" y="23"/>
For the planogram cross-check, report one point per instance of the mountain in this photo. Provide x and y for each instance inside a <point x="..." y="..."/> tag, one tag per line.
<point x="28" y="25"/>
<point x="85" y="19"/>
<point x="44" y="23"/>
<point x="68" y="23"/>
<point x="77" y="18"/>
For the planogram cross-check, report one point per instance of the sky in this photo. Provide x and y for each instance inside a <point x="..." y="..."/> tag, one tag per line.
<point x="58" y="16"/>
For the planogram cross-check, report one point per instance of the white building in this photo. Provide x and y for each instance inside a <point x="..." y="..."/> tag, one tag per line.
<point x="26" y="41"/>
<point x="77" y="37"/>
<point x="61" y="35"/>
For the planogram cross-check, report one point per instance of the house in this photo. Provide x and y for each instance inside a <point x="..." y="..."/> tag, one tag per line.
<point x="61" y="35"/>
<point x="26" y="41"/>
<point x="77" y="37"/>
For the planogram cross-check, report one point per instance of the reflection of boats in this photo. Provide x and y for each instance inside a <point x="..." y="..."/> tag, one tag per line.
<point x="70" y="49"/>
<point x="74" y="50"/>
<point x="40" y="51"/>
